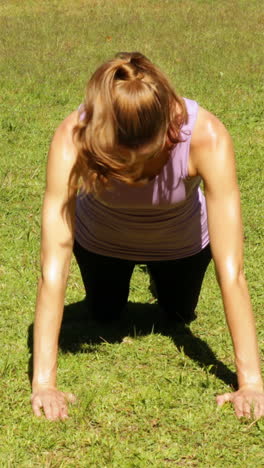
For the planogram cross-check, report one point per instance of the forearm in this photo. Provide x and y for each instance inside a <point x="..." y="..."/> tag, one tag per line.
<point x="49" y="311"/>
<point x="241" y="323"/>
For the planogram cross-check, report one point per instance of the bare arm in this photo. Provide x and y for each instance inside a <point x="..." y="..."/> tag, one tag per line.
<point x="56" y="249"/>
<point x="213" y="158"/>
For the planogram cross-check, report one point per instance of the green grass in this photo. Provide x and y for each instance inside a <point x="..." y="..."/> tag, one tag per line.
<point x="146" y="395"/>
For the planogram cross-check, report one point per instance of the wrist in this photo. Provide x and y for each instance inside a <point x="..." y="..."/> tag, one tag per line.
<point x="36" y="387"/>
<point x="40" y="383"/>
<point x="253" y="382"/>
<point x="44" y="375"/>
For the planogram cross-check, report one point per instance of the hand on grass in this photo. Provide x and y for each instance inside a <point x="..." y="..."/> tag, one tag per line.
<point x="53" y="402"/>
<point x="247" y="401"/>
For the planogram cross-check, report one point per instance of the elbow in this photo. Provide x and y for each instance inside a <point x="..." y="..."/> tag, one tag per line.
<point x="230" y="273"/>
<point x="53" y="274"/>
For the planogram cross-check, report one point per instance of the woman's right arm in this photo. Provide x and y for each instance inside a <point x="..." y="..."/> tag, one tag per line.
<point x="56" y="248"/>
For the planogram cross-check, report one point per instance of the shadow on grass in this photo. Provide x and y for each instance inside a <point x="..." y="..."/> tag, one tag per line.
<point x="139" y="319"/>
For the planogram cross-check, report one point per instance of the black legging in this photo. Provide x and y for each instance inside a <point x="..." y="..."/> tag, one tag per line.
<point x="177" y="283"/>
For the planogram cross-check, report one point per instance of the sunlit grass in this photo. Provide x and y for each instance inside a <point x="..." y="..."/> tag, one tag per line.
<point x="145" y="394"/>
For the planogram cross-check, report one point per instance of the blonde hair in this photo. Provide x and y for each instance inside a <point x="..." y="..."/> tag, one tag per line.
<point x="130" y="112"/>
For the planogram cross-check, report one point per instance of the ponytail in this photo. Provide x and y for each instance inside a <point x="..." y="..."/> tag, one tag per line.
<point x="129" y="113"/>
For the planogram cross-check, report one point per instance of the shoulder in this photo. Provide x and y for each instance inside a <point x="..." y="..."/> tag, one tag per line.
<point x="208" y="130"/>
<point x="62" y="153"/>
<point x="210" y="141"/>
<point x="62" y="148"/>
<point x="64" y="132"/>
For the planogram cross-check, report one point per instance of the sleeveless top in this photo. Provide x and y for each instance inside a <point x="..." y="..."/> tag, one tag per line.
<point x="165" y="219"/>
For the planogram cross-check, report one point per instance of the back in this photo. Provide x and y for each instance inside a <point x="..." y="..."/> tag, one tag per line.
<point x="164" y="219"/>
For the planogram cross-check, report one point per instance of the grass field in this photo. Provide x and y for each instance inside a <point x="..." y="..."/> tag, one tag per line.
<point x="145" y="394"/>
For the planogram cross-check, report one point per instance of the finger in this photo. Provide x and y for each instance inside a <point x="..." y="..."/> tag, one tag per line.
<point x="63" y="412"/>
<point x="246" y="408"/>
<point x="36" y="404"/>
<point x="257" y="410"/>
<point x="238" y="405"/>
<point x="222" y="399"/>
<point x="70" y="397"/>
<point x="47" y="410"/>
<point x="62" y="406"/>
<point x="55" y="410"/>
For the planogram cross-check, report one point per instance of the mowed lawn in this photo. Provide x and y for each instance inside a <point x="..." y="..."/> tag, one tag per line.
<point x="145" y="393"/>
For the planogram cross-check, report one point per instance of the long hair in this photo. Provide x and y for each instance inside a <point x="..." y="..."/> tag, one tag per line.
<point x="129" y="114"/>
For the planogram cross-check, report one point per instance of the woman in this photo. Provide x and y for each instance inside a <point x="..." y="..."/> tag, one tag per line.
<point x="140" y="152"/>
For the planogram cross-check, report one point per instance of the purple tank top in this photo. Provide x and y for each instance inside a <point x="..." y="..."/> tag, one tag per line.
<point x="162" y="220"/>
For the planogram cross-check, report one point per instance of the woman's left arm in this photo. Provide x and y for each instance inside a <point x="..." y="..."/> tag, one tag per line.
<point x="213" y="158"/>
